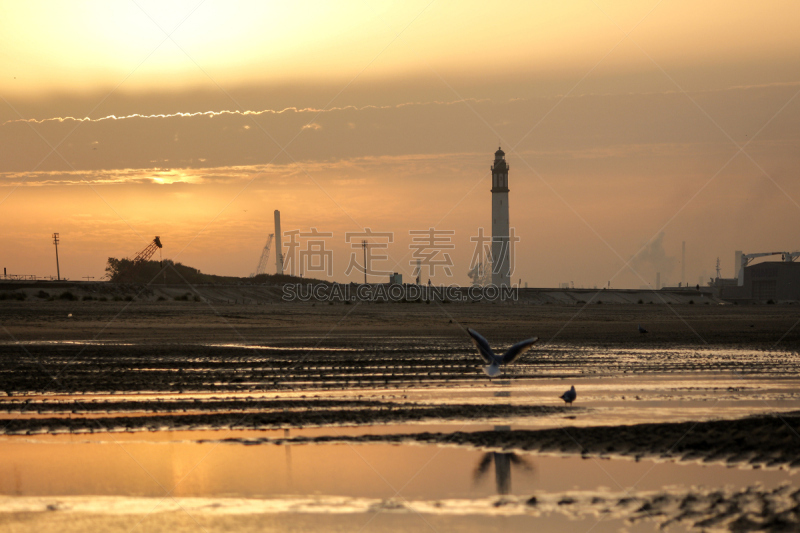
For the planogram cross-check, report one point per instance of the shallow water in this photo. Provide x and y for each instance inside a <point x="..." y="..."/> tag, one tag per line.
<point x="630" y="399"/>
<point x="626" y="400"/>
<point x="72" y="466"/>
<point x="130" y="475"/>
<point x="190" y="477"/>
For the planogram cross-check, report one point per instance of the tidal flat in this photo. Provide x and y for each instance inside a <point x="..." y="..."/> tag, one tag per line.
<point x="169" y="415"/>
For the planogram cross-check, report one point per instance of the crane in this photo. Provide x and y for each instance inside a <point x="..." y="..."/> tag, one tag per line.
<point x="148" y="252"/>
<point x="142" y="257"/>
<point x="786" y="257"/>
<point x="262" y="261"/>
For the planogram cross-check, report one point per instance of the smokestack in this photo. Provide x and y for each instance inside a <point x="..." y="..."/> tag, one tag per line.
<point x="278" y="245"/>
<point x="738" y="268"/>
<point x="683" y="262"/>
<point x="737" y="263"/>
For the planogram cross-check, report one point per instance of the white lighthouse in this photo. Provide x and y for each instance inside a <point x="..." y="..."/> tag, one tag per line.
<point x="501" y="260"/>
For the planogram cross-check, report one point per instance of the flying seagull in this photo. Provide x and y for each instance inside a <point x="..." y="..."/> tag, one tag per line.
<point x="569" y="396"/>
<point x="495" y="361"/>
<point x="641" y="329"/>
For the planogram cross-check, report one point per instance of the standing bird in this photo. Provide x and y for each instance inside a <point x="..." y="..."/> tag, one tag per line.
<point x="494" y="362"/>
<point x="641" y="329"/>
<point x="569" y="396"/>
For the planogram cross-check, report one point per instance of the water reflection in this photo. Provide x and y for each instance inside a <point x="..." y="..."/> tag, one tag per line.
<point x="503" y="464"/>
<point x="288" y="449"/>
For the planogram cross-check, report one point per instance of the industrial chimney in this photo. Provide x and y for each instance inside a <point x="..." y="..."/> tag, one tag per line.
<point x="737" y="263"/>
<point x="278" y="244"/>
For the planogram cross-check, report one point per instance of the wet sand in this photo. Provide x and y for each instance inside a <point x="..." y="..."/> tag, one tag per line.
<point x="113" y="347"/>
<point x="717" y="510"/>
<point x="728" y="397"/>
<point x="760" y="442"/>
<point x="752" y="326"/>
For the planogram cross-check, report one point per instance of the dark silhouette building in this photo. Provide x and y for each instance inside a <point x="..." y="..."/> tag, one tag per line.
<point x="776" y="281"/>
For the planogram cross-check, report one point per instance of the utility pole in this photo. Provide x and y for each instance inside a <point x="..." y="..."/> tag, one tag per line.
<point x="56" y="241"/>
<point x="88" y="277"/>
<point x="364" y="246"/>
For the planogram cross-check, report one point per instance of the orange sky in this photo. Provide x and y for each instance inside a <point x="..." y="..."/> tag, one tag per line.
<point x="622" y="122"/>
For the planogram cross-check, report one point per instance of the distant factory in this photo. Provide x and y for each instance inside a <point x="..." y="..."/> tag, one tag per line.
<point x="770" y="281"/>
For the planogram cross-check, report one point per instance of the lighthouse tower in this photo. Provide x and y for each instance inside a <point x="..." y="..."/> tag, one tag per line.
<point x="501" y="261"/>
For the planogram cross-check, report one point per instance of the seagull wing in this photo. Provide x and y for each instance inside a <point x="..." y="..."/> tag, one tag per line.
<point x="521" y="462"/>
<point x="483" y="466"/>
<point x="482" y="345"/>
<point x="518" y="349"/>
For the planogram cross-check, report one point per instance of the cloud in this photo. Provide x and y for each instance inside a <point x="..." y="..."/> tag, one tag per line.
<point x="157" y="176"/>
<point x="635" y="132"/>
<point x="312" y="126"/>
<point x="212" y="114"/>
<point x="300" y="110"/>
<point x="414" y="164"/>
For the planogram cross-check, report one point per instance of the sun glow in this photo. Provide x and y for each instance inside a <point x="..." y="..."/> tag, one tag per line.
<point x="168" y="177"/>
<point x="55" y="46"/>
<point x="173" y="118"/>
<point x="83" y="44"/>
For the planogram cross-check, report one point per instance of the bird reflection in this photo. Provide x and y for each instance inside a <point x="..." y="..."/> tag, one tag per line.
<point x="503" y="462"/>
